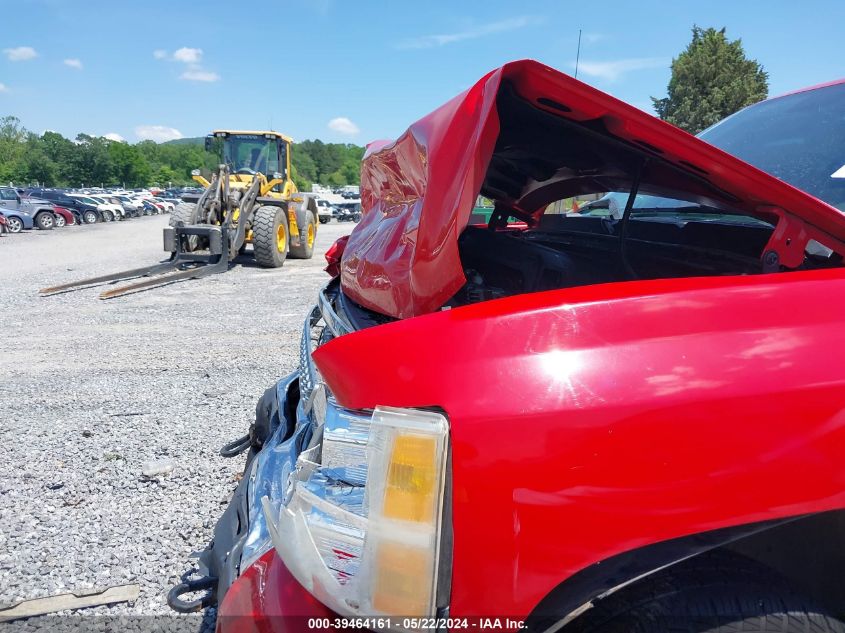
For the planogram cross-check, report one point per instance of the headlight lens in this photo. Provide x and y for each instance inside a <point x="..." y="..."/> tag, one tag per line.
<point x="360" y="525"/>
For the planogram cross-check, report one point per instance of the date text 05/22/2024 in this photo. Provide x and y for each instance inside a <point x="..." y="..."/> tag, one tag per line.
<point x="417" y="624"/>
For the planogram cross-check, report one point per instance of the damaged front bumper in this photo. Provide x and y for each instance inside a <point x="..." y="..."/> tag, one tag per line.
<point x="241" y="536"/>
<point x="282" y="430"/>
<point x="349" y="502"/>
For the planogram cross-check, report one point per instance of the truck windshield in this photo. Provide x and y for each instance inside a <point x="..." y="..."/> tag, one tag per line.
<point x="251" y="153"/>
<point x="799" y="138"/>
<point x="648" y="207"/>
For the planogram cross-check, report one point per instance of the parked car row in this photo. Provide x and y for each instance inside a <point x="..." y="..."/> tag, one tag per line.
<point x="347" y="211"/>
<point x="342" y="212"/>
<point x="46" y="209"/>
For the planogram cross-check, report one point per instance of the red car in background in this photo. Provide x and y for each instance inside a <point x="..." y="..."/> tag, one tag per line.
<point x="587" y="423"/>
<point x="64" y="217"/>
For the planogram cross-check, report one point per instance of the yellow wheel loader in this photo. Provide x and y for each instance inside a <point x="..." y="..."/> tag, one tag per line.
<point x="250" y="199"/>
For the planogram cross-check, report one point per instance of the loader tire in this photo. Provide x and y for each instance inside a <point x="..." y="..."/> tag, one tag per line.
<point x="270" y="239"/>
<point x="307" y="237"/>
<point x="186" y="213"/>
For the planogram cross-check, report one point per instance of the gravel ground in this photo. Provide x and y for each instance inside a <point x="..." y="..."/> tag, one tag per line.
<point x="93" y="389"/>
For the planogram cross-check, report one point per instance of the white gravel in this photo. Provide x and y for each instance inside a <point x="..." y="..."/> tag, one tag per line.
<point x="92" y="390"/>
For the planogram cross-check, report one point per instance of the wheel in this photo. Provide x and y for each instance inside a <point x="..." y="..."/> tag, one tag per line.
<point x="186" y="213"/>
<point x="60" y="220"/>
<point x="108" y="216"/>
<point x="90" y="217"/>
<point x="710" y="593"/>
<point x="307" y="237"/>
<point x="45" y="220"/>
<point x="270" y="243"/>
<point x="15" y="225"/>
<point x="324" y="220"/>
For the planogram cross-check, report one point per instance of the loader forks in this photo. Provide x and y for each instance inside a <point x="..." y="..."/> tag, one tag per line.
<point x="224" y="241"/>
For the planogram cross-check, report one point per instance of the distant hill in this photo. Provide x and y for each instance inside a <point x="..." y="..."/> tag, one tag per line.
<point x="195" y="140"/>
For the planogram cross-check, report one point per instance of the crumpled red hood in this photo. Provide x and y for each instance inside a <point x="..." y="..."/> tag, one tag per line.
<point x="418" y="192"/>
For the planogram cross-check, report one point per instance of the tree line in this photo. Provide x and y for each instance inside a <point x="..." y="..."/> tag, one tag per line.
<point x="52" y="160"/>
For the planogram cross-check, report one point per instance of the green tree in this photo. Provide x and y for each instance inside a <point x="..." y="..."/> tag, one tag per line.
<point x="129" y="167"/>
<point x="60" y="151"/>
<point x="12" y="138"/>
<point x="165" y="176"/>
<point x="37" y="166"/>
<point x="91" y="162"/>
<point x="303" y="164"/>
<point x="302" y="183"/>
<point x="711" y="79"/>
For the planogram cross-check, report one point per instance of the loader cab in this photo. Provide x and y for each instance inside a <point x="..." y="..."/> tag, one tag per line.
<point x="249" y="153"/>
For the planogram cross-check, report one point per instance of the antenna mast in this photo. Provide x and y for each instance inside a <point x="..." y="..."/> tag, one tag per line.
<point x="578" y="54"/>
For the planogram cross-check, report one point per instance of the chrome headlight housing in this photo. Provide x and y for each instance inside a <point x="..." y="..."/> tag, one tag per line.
<point x="360" y="525"/>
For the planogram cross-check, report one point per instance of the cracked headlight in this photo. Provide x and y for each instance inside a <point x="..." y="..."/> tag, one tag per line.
<point x="360" y="525"/>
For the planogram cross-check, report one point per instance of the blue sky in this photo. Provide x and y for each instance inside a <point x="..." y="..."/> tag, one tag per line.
<point x="355" y="71"/>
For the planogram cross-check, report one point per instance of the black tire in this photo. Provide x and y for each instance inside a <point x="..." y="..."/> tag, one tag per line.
<point x="307" y="238"/>
<point x="270" y="239"/>
<point x="711" y="593"/>
<point x="45" y="220"/>
<point x="13" y="224"/>
<point x="325" y="220"/>
<point x="90" y="217"/>
<point x="108" y="216"/>
<point x="60" y="220"/>
<point x="186" y="213"/>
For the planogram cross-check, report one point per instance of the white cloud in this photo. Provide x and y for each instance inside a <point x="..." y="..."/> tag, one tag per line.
<point x="157" y="133"/>
<point x="191" y="57"/>
<point x="114" y="136"/>
<point x="613" y="70"/>
<point x="20" y="54"/>
<point x="342" y="125"/>
<point x="592" y="38"/>
<point x="198" y="74"/>
<point x="491" y="28"/>
<point x="73" y="63"/>
<point x="187" y="55"/>
<point x="3" y="88"/>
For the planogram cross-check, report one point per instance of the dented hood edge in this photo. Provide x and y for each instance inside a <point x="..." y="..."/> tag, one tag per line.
<point x="417" y="192"/>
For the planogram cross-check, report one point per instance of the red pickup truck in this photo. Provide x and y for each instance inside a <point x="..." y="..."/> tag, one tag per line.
<point x="628" y="421"/>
